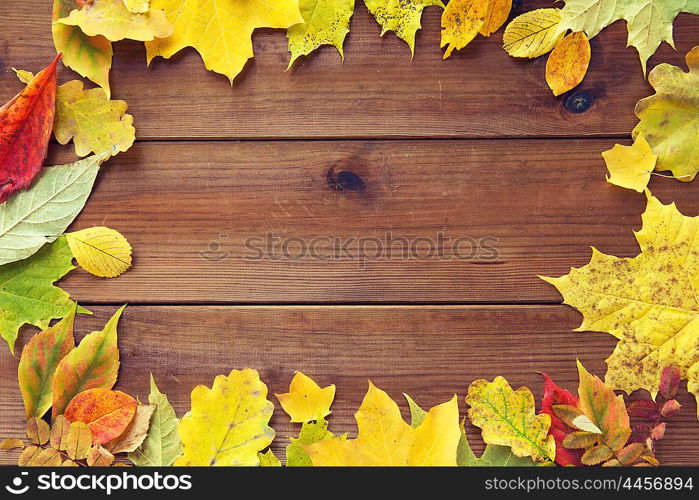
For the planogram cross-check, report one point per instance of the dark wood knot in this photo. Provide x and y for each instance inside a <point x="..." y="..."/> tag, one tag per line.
<point x="344" y="180"/>
<point x="579" y="102"/>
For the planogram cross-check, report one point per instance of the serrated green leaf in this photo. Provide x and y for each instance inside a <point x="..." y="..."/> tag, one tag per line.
<point x="41" y="214"/>
<point x="162" y="444"/>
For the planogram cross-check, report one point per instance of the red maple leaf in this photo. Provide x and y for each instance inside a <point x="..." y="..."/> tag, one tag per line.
<point x="554" y="395"/>
<point x="26" y="122"/>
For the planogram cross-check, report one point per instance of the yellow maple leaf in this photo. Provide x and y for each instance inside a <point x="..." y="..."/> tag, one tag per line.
<point x="567" y="65"/>
<point x="220" y="30"/>
<point x="461" y="22"/>
<point x="648" y="302"/>
<point x="630" y="167"/>
<point x="533" y="34"/>
<point x="101" y="251"/>
<point x="89" y="118"/>
<point x="386" y="439"/>
<point x="498" y="12"/>
<point x="228" y="424"/>
<point x="89" y="56"/>
<point x="112" y="20"/>
<point x="508" y="418"/>
<point x="306" y="401"/>
<point x="400" y="16"/>
<point x="325" y="22"/>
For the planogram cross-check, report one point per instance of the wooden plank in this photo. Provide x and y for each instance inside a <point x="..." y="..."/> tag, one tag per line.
<point x="427" y="352"/>
<point x="377" y="92"/>
<point x="184" y="205"/>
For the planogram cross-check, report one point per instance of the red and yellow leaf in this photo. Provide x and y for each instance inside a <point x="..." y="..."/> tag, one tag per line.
<point x="107" y="413"/>
<point x="554" y="395"/>
<point x="26" y="122"/>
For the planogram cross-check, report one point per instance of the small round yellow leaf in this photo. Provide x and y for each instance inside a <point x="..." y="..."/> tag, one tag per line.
<point x="101" y="251"/>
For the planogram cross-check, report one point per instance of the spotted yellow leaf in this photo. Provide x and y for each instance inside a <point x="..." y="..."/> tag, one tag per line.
<point x="508" y="418"/>
<point x="630" y="167"/>
<point x="400" y="16"/>
<point x="325" y="22"/>
<point x="533" y="34"/>
<point x="112" y="20"/>
<point x="220" y="30"/>
<point x="567" y="65"/>
<point x="498" y="12"/>
<point x="648" y="302"/>
<point x="461" y="22"/>
<point x="305" y="400"/>
<point x="228" y="424"/>
<point x="101" y="251"/>
<point x="385" y="439"/>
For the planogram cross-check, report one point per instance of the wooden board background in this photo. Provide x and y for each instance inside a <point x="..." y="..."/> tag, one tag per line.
<point x="473" y="146"/>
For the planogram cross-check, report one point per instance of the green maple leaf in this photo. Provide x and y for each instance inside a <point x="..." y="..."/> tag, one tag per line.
<point x="27" y="293"/>
<point x="649" y="21"/>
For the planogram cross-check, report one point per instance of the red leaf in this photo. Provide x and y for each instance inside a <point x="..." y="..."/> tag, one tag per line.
<point x="26" y="122"/>
<point x="670" y="381"/>
<point x="658" y="431"/>
<point x="670" y="408"/>
<point x="554" y="395"/>
<point x="650" y="410"/>
<point x="107" y="413"/>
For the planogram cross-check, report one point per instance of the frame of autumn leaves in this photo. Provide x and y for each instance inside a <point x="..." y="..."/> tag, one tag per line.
<point x="93" y="424"/>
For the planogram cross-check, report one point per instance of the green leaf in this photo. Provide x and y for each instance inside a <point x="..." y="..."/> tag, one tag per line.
<point x="417" y="414"/>
<point x="649" y="21"/>
<point x="162" y="444"/>
<point x="326" y="22"/>
<point x="27" y="294"/>
<point x="41" y="214"/>
<point x="311" y="432"/>
<point x="39" y="360"/>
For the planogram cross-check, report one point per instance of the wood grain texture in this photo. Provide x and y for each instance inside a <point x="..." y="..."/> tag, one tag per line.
<point x="543" y="202"/>
<point x="430" y="353"/>
<point x="377" y="92"/>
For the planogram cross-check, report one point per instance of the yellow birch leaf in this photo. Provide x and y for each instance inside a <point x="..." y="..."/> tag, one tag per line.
<point x="567" y="65"/>
<point x="648" y="302"/>
<point x="37" y="430"/>
<point x="461" y="21"/>
<point x="325" y="22"/>
<point x="134" y="435"/>
<point x="137" y="6"/>
<point x="220" y="30"/>
<point x="508" y="418"/>
<point x="112" y="20"/>
<point x="101" y="251"/>
<point x="99" y="457"/>
<point x="385" y="439"/>
<point x="498" y="12"/>
<point x="11" y="444"/>
<point x="228" y="424"/>
<point x="89" y="56"/>
<point x="533" y="34"/>
<point x="630" y="167"/>
<point x="89" y="118"/>
<point x="33" y="456"/>
<point x="305" y="400"/>
<point x="78" y="441"/>
<point x="400" y="16"/>
<point x="670" y="117"/>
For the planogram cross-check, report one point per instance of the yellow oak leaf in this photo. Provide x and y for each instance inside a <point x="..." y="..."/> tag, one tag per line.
<point x="630" y="167"/>
<point x="228" y="424"/>
<point x="669" y="119"/>
<point x="508" y="418"/>
<point x="567" y="65"/>
<point x="400" y="16"/>
<point x="305" y="400"/>
<point x="533" y="34"/>
<point x="220" y="30"/>
<point x="648" y="302"/>
<point x="498" y="12"/>
<point x="461" y="21"/>
<point x="325" y="22"/>
<point x="385" y="439"/>
<point x="137" y="6"/>
<point x="101" y="251"/>
<point x="89" y="56"/>
<point x="112" y="20"/>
